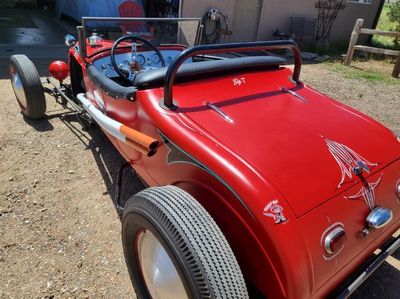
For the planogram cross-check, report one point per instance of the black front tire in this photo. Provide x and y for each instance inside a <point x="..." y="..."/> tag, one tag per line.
<point x="27" y="86"/>
<point x="195" y="244"/>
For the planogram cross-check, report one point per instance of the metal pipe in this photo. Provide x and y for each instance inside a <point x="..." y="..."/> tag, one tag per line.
<point x="60" y="92"/>
<point x="133" y="138"/>
<point x="222" y="48"/>
<point x="81" y="37"/>
<point x="370" y="268"/>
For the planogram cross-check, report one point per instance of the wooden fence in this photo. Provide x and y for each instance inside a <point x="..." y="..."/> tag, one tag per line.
<point x="353" y="45"/>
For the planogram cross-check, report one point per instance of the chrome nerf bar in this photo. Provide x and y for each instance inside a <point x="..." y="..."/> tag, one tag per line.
<point x="351" y="286"/>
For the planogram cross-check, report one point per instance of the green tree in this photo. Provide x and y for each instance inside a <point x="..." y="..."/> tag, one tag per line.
<point x="394" y="16"/>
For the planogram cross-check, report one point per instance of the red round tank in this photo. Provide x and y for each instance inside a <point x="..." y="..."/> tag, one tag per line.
<point x="59" y="70"/>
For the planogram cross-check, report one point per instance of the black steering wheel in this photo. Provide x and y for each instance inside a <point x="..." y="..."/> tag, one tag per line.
<point x="127" y="73"/>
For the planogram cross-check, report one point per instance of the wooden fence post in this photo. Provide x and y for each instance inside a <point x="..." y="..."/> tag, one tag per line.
<point x="396" y="70"/>
<point x="353" y="41"/>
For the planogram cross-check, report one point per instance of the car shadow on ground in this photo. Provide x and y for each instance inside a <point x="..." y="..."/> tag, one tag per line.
<point x="41" y="125"/>
<point x="108" y="159"/>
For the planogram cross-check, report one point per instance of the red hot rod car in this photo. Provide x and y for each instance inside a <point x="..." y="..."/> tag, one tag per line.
<point x="258" y="185"/>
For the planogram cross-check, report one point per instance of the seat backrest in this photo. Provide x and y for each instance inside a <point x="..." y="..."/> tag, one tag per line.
<point x="132" y="9"/>
<point x="192" y="71"/>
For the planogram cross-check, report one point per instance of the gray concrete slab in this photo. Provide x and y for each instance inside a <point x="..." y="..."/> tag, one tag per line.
<point x="34" y="32"/>
<point x="35" y="51"/>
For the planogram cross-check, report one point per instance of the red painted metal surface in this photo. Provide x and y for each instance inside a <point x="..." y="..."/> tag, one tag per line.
<point x="276" y="149"/>
<point x="59" y="70"/>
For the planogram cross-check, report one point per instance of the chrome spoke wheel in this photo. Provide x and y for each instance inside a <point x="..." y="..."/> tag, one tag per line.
<point x="18" y="88"/>
<point x="159" y="272"/>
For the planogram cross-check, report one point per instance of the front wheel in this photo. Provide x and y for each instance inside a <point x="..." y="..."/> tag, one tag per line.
<point x="27" y="86"/>
<point x="174" y="249"/>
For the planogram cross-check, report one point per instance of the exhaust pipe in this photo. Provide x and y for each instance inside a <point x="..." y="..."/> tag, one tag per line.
<point x="133" y="138"/>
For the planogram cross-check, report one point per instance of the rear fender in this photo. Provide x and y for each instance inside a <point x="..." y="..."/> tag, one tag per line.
<point x="241" y="237"/>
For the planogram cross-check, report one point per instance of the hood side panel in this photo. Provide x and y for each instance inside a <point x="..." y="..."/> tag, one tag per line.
<point x="283" y="136"/>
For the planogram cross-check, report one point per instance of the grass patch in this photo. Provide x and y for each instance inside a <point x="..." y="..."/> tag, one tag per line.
<point x="384" y="24"/>
<point x="361" y="74"/>
<point x="334" y="49"/>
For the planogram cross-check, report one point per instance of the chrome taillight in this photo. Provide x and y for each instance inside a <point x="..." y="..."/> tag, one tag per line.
<point x="398" y="189"/>
<point x="379" y="217"/>
<point x="334" y="240"/>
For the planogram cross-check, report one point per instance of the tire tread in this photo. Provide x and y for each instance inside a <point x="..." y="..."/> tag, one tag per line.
<point x="205" y="242"/>
<point x="35" y="99"/>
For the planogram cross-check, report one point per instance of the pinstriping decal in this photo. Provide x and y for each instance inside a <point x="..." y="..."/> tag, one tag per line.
<point x="349" y="163"/>
<point x="177" y="155"/>
<point x="346" y="158"/>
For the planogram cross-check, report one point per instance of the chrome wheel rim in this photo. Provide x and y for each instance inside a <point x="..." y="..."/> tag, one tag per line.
<point x="159" y="273"/>
<point x="18" y="88"/>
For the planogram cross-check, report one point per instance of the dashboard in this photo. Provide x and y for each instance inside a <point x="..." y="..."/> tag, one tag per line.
<point x="148" y="60"/>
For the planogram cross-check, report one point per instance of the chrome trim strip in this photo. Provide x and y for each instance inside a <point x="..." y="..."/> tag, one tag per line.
<point x="220" y="112"/>
<point x="293" y="93"/>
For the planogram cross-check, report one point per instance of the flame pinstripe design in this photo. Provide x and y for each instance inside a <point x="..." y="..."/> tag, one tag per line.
<point x="368" y="193"/>
<point x="346" y="159"/>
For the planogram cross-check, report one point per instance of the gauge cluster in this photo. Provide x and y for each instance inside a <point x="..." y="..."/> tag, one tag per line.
<point x="147" y="60"/>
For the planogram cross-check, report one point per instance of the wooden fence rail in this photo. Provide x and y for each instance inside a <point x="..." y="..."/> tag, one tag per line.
<point x="353" y="45"/>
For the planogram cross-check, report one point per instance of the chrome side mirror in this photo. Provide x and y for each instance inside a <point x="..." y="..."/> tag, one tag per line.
<point x="70" y="40"/>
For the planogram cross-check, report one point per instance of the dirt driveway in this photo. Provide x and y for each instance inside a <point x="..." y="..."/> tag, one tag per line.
<point x="60" y="234"/>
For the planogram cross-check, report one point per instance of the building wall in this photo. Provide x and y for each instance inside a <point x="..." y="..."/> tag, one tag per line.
<point x="344" y="24"/>
<point x="197" y="8"/>
<point x="277" y="13"/>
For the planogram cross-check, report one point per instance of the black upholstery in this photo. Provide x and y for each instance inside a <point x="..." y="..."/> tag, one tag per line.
<point x="109" y="86"/>
<point x="156" y="77"/>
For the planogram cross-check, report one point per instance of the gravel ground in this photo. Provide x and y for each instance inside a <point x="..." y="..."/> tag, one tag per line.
<point x="378" y="98"/>
<point x="60" y="232"/>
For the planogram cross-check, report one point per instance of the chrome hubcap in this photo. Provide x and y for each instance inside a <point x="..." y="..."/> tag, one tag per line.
<point x="159" y="273"/>
<point x="18" y="88"/>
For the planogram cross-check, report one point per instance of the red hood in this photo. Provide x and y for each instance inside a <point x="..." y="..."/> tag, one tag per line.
<point x="289" y="141"/>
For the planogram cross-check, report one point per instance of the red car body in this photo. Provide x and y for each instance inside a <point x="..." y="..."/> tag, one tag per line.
<point x="302" y="188"/>
<point x="275" y="149"/>
<point x="272" y="176"/>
